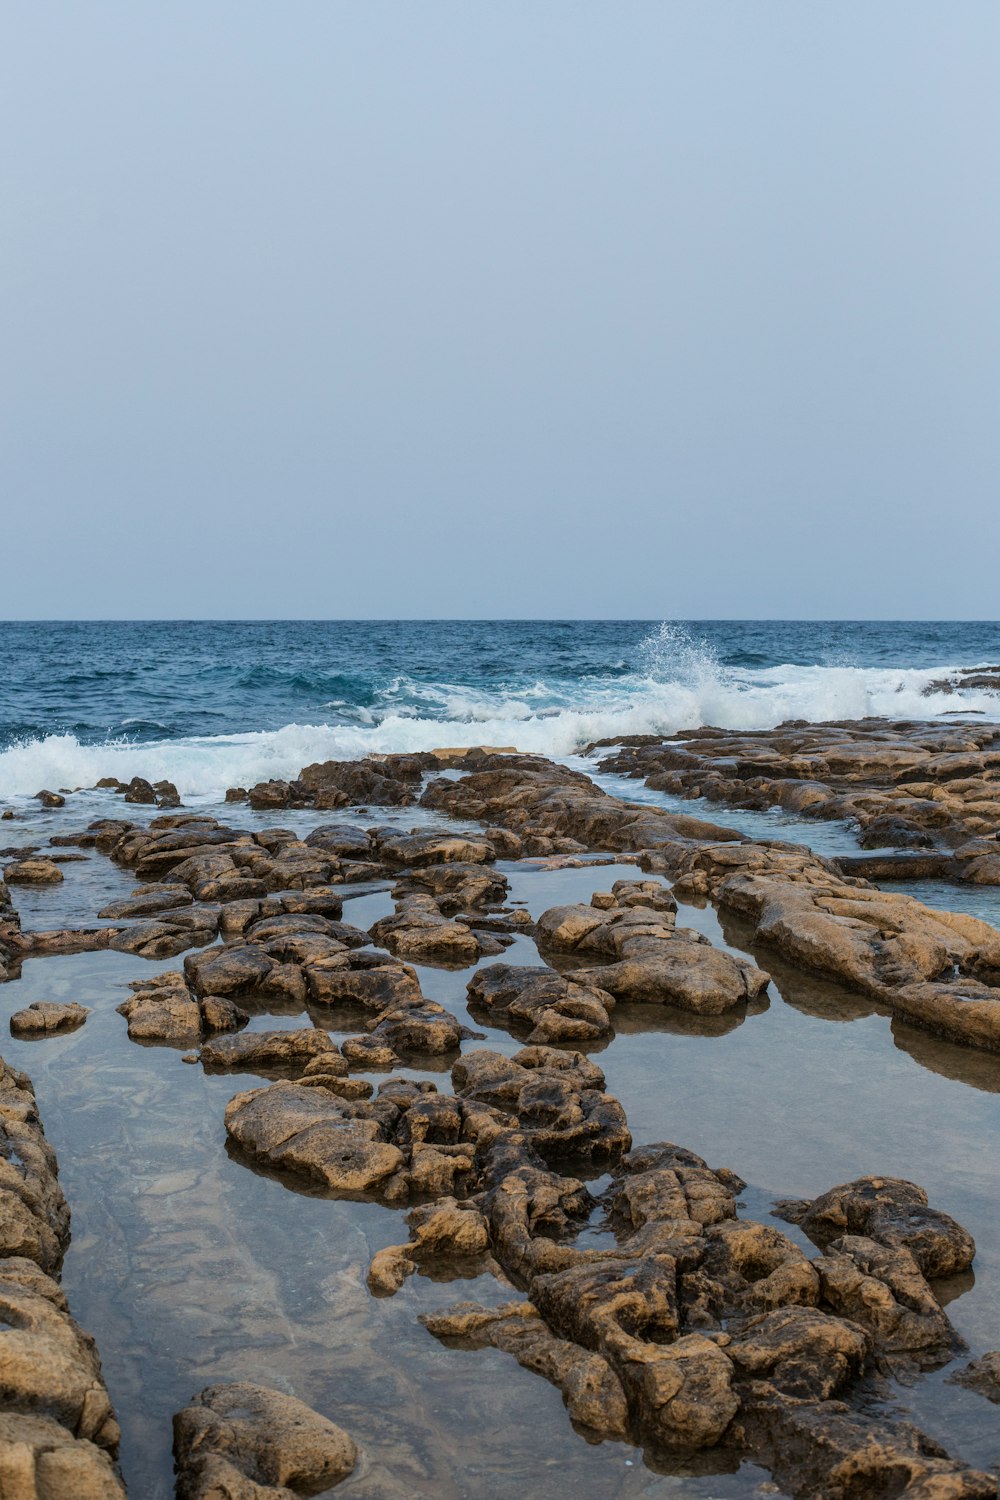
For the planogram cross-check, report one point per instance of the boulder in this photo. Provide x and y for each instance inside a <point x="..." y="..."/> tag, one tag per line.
<point x="33" y="871"/>
<point x="893" y="1212"/>
<point x="249" y="1442"/>
<point x="45" y="1016"/>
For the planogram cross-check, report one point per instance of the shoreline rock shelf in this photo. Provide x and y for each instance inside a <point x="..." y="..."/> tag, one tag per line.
<point x="930" y="787"/>
<point x="630" y="1280"/>
<point x="58" y="1433"/>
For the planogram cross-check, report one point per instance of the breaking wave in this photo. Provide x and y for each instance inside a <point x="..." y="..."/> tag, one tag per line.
<point x="675" y="681"/>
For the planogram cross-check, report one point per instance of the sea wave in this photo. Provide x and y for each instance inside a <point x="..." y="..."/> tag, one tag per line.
<point x="678" y="686"/>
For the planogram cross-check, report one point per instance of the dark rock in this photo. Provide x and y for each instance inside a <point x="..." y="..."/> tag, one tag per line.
<point x="982" y="1375"/>
<point x="139" y="790"/>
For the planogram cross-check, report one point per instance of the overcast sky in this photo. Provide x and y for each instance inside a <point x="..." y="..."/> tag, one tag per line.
<point x="519" y="309"/>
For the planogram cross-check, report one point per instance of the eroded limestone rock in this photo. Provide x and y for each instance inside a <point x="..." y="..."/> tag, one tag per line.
<point x="43" y="1017"/>
<point x="249" y="1442"/>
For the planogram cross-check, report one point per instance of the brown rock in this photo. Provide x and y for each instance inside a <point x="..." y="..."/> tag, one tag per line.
<point x="43" y="1016"/>
<point x="231" y="1434"/>
<point x="37" y="871"/>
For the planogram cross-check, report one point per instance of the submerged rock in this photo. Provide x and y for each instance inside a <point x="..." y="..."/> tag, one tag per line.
<point x="982" y="1375"/>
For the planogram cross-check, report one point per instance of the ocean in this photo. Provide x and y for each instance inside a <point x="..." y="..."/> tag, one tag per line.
<point x="212" y="704"/>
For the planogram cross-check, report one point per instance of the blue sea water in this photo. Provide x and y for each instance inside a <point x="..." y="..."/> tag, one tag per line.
<point x="213" y="704"/>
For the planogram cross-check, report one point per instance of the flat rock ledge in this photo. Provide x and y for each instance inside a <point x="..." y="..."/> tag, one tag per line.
<point x="939" y="971"/>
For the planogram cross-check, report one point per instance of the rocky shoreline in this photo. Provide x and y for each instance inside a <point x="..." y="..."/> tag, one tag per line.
<point x="627" y="1275"/>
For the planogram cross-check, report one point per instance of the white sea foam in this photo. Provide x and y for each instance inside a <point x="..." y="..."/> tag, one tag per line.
<point x="675" y="689"/>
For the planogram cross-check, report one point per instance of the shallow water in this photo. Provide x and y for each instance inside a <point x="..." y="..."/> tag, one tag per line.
<point x="837" y="836"/>
<point x="189" y="1268"/>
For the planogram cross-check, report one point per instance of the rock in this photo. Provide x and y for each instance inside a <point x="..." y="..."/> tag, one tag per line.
<point x="335" y="783"/>
<point x="431" y="848"/>
<point x="455" y="887"/>
<point x="883" y="1290"/>
<point x="244" y="970"/>
<point x="893" y="1212"/>
<point x="747" y="1268"/>
<point x="231" y="1435"/>
<point x="554" y="1099"/>
<point x="257" y="1051"/>
<point x="415" y="1029"/>
<point x="593" y="1393"/>
<point x="825" y="1451"/>
<point x="802" y="1352"/>
<point x="162" y="1009"/>
<point x="147" y="901"/>
<point x="314" y="1135"/>
<point x="38" y="871"/>
<point x="541" y="1004"/>
<point x="43" y="1016"/>
<point x="50" y="1367"/>
<point x="34" y="1218"/>
<point x="982" y="1375"/>
<point x="342" y="840"/>
<point x="650" y="960"/>
<point x="139" y="790"/>
<point x="371" y="980"/>
<point x="662" y="1184"/>
<point x="418" y="931"/>
<point x="39" y="1457"/>
<point x="905" y="784"/>
<point x="50" y="799"/>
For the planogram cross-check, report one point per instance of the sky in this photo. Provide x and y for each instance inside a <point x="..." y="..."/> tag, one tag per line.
<point x="546" y="308"/>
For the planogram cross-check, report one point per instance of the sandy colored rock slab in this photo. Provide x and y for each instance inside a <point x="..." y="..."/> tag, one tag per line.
<point x="252" y="1051"/>
<point x="541" y="1004"/>
<point x="896" y="1214"/>
<point x="313" y="1134"/>
<point x="46" y="1016"/>
<point x="41" y="1460"/>
<point x="36" y="871"/>
<point x="245" y="1432"/>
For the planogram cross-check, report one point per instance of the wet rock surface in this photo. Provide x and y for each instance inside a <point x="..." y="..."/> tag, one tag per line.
<point x="44" y="1016"/>
<point x="643" y="957"/>
<point x="58" y="1433"/>
<point x="936" y="970"/>
<point x="627" y="1276"/>
<point x="243" y="1440"/>
<point x="905" y="785"/>
<point x="540" y="1004"/>
<point x="163" y="1009"/>
<point x="893" y="1212"/>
